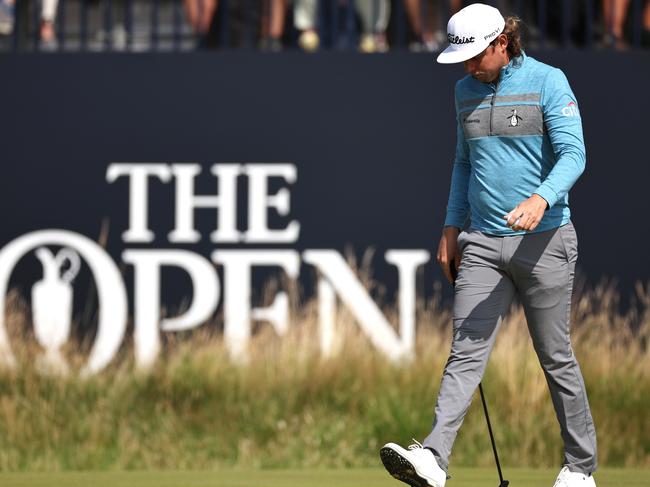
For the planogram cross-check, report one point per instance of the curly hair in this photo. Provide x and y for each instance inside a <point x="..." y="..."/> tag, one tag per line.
<point x="513" y="33"/>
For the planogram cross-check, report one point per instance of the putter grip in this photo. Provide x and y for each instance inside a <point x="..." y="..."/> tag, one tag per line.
<point x="453" y="271"/>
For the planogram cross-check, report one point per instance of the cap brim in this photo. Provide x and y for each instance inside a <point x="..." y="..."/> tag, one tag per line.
<point x="453" y="55"/>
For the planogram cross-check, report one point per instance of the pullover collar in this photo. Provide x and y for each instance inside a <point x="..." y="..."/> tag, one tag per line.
<point x="509" y="69"/>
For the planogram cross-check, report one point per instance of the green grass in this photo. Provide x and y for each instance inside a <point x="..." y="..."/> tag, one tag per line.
<point x="290" y="409"/>
<point x="462" y="477"/>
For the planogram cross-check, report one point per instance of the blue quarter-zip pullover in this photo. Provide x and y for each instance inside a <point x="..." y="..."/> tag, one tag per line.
<point x="515" y="137"/>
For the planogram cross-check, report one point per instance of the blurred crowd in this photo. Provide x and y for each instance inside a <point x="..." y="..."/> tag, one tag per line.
<point x="368" y="25"/>
<point x="48" y="10"/>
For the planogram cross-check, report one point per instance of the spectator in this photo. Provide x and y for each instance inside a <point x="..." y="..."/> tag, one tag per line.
<point x="200" y="14"/>
<point x="614" y="15"/>
<point x="304" y="19"/>
<point x="6" y="17"/>
<point x="646" y="24"/>
<point x="48" y="17"/>
<point x="236" y="24"/>
<point x="422" y="15"/>
<point x="374" y="16"/>
<point x="564" y="23"/>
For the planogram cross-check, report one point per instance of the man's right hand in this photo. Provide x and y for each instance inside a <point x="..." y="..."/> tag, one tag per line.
<point x="448" y="251"/>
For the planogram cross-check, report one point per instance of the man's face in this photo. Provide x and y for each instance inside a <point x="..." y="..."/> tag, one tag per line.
<point x="485" y="67"/>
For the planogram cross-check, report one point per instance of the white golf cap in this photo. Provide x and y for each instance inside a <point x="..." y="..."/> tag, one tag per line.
<point x="470" y="31"/>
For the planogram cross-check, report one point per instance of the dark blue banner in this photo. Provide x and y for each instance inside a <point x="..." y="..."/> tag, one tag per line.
<point x="371" y="139"/>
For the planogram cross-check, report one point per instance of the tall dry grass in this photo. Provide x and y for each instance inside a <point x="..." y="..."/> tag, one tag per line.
<point x="291" y="408"/>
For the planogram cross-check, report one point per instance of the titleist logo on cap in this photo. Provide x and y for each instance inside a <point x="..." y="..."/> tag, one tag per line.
<point x="459" y="40"/>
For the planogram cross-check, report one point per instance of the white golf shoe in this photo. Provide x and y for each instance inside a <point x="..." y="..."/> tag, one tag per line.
<point x="416" y="466"/>
<point x="567" y="478"/>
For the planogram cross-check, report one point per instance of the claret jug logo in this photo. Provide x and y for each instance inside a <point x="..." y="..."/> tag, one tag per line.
<point x="61" y="254"/>
<point x="52" y="303"/>
<point x="52" y="296"/>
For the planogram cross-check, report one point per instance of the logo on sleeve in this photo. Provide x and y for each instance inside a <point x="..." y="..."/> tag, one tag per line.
<point x="514" y="118"/>
<point x="571" y="110"/>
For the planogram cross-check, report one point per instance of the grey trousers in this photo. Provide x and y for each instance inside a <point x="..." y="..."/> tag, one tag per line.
<point x="539" y="268"/>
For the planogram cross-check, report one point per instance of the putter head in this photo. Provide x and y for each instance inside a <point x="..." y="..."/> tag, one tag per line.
<point x="504" y="483"/>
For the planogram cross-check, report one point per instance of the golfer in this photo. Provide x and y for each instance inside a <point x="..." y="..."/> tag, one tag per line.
<point x="519" y="150"/>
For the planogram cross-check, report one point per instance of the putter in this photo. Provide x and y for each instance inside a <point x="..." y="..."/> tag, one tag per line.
<point x="504" y="483"/>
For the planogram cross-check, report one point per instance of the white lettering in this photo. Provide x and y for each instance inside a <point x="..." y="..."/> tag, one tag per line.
<point x="329" y="346"/>
<point x="237" y="298"/>
<point x="259" y="201"/>
<point x="187" y="202"/>
<point x="147" y="265"/>
<point x="139" y="174"/>
<point x="407" y="262"/>
<point x="570" y="111"/>
<point x="53" y="295"/>
<point x="352" y="293"/>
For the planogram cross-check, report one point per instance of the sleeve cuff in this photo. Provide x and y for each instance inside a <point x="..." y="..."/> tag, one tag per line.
<point x="548" y="194"/>
<point x="454" y="219"/>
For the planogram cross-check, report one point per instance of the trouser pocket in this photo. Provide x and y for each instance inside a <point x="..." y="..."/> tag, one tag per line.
<point x="569" y="242"/>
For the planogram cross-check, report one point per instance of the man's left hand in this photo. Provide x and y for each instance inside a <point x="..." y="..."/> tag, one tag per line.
<point x="527" y="215"/>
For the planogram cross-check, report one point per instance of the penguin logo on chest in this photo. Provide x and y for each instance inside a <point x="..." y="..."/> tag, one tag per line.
<point x="514" y="118"/>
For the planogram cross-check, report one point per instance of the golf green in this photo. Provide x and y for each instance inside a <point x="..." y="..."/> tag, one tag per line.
<point x="462" y="477"/>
